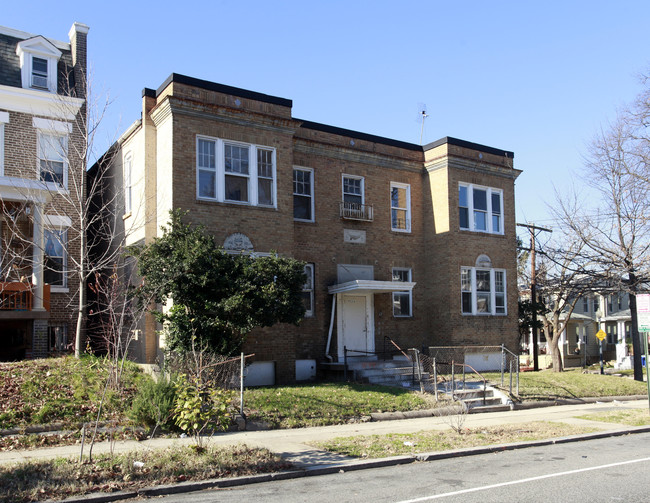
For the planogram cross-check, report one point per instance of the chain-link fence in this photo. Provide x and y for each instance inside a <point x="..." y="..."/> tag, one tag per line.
<point x="462" y="363"/>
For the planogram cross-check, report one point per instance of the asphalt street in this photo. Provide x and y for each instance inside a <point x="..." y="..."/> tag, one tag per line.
<point x="615" y="469"/>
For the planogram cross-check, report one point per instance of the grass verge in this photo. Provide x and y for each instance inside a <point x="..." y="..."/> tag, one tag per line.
<point x="549" y="385"/>
<point x="629" y="417"/>
<point x="397" y="444"/>
<point x="328" y="403"/>
<point x="62" y="478"/>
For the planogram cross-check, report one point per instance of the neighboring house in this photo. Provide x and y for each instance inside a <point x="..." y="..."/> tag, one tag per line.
<point x="593" y="312"/>
<point x="42" y="102"/>
<point x="416" y="243"/>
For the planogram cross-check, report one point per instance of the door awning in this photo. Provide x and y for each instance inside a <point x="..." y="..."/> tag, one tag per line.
<point x="371" y="286"/>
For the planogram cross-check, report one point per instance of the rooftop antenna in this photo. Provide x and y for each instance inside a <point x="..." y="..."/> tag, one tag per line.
<point x="423" y="115"/>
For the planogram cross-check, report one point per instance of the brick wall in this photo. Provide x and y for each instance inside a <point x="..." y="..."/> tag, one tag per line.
<point x="435" y="249"/>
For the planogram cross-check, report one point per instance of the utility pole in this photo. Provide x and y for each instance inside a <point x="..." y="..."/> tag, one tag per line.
<point x="533" y="286"/>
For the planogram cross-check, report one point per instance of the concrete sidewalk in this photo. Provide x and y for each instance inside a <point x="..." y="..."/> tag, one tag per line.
<point x="293" y="444"/>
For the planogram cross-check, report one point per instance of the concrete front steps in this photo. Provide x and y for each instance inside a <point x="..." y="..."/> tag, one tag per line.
<point x="395" y="372"/>
<point x="477" y="399"/>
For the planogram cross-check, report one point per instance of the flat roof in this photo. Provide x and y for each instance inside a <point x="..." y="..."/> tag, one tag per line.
<point x="220" y="88"/>
<point x="275" y="100"/>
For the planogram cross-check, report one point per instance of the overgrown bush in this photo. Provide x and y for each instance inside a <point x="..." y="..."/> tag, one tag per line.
<point x="153" y="404"/>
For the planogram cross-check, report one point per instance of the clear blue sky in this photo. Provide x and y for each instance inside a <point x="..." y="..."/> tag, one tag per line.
<point x="537" y="78"/>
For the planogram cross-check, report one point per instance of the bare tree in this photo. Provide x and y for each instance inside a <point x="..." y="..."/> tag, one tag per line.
<point x="562" y="280"/>
<point x="614" y="226"/>
<point x="89" y="240"/>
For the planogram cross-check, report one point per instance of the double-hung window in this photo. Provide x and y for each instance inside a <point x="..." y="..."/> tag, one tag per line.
<point x="402" y="301"/>
<point x="303" y="194"/>
<point x="483" y="291"/>
<point x="54" y="272"/>
<point x="128" y="195"/>
<point x="400" y="207"/>
<point x="39" y="73"/>
<point x="353" y="191"/>
<point x="235" y="172"/>
<point x="52" y="152"/>
<point x="4" y="118"/>
<point x="480" y="209"/>
<point x="308" y="291"/>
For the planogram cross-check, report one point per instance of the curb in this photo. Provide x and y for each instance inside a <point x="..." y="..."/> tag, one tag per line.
<point x="185" y="487"/>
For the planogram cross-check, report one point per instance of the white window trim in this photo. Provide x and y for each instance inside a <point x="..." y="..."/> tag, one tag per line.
<point x="409" y="292"/>
<point x="252" y="177"/>
<point x="42" y="48"/>
<point x="470" y="206"/>
<point x="493" y="292"/>
<point x="311" y="195"/>
<point x="4" y="119"/>
<point x="408" y="206"/>
<point x="353" y="177"/>
<point x="309" y="313"/>
<point x="59" y="223"/>
<point x="52" y="128"/>
<point x="127" y="174"/>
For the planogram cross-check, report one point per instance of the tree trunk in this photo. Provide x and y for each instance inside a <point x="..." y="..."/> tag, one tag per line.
<point x="556" y="356"/>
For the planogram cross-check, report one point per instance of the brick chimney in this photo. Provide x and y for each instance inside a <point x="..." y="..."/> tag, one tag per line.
<point x="78" y="44"/>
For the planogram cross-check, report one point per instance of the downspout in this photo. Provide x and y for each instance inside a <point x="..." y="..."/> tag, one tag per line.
<point x="329" y="335"/>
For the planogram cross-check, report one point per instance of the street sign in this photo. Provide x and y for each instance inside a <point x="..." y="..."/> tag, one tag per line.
<point x="601" y="335"/>
<point x="643" y="311"/>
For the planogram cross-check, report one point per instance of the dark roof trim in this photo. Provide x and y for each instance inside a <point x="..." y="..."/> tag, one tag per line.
<point x="468" y="144"/>
<point x="356" y="134"/>
<point x="220" y="88"/>
<point x="148" y="93"/>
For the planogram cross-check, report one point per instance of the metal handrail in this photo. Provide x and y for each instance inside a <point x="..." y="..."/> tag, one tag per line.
<point x="473" y="370"/>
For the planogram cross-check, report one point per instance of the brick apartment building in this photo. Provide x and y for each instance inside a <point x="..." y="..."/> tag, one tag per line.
<point x="412" y="242"/>
<point x="42" y="105"/>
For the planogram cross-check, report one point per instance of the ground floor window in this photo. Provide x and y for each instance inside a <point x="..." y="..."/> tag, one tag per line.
<point x="402" y="301"/>
<point x="483" y="291"/>
<point x="58" y="336"/>
<point x="308" y="291"/>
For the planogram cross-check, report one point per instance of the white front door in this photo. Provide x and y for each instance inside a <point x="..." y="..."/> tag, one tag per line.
<point x="355" y="324"/>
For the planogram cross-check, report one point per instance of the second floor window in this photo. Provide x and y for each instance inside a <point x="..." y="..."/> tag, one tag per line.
<point x="400" y="207"/>
<point x="235" y="172"/>
<point x="480" y="209"/>
<point x="128" y="164"/>
<point x="353" y="190"/>
<point x="52" y="153"/>
<point x="303" y="195"/>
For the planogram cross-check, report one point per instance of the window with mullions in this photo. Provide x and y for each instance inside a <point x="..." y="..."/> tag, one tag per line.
<point x="235" y="172"/>
<point x="52" y="153"/>
<point x="39" y="73"/>
<point x="308" y="291"/>
<point x="400" y="207"/>
<point x="402" y="301"/>
<point x="303" y="195"/>
<point x="54" y="272"/>
<point x="483" y="291"/>
<point x="353" y="190"/>
<point x="480" y="209"/>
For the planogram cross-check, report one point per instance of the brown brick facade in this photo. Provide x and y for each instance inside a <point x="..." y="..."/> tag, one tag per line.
<point x="434" y="250"/>
<point x="28" y="111"/>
